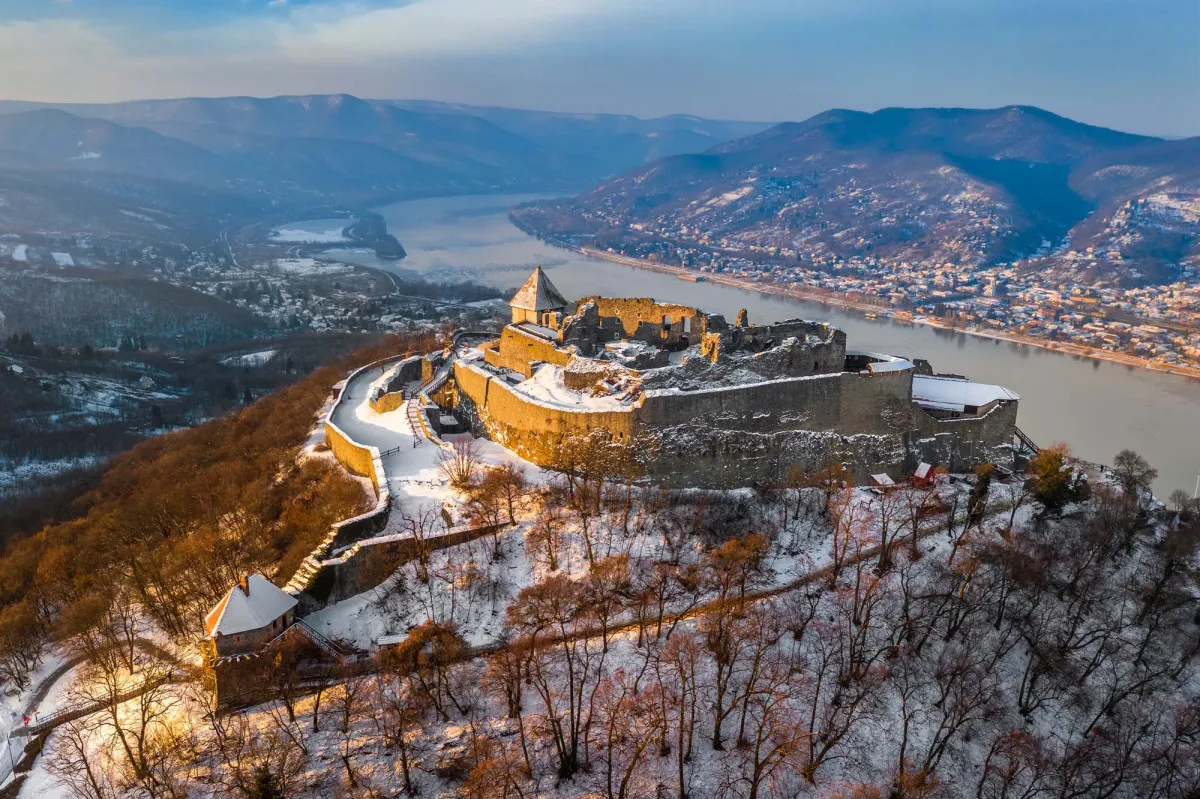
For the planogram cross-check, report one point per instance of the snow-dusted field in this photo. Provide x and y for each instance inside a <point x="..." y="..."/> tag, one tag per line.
<point x="252" y="359"/>
<point x="295" y="236"/>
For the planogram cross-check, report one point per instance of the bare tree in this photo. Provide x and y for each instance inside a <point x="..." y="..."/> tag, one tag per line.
<point x="1133" y="472"/>
<point x="78" y="763"/>
<point x="544" y="538"/>
<point x="459" y="461"/>
<point x="608" y="585"/>
<point x="260" y="763"/>
<point x="562" y="669"/>
<point x="630" y="726"/>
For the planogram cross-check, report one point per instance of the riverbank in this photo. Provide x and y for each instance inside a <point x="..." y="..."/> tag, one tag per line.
<point x="873" y="310"/>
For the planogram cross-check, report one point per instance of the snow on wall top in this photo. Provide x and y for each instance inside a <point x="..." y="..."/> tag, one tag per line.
<point x="251" y="607"/>
<point x="954" y="393"/>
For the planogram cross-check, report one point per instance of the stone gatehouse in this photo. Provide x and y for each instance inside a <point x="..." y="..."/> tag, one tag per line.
<point x="702" y="402"/>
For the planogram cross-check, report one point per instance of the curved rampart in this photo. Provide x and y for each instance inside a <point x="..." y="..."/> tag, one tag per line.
<point x="359" y="459"/>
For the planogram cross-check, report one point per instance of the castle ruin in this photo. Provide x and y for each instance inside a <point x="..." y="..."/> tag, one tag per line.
<point x="705" y="403"/>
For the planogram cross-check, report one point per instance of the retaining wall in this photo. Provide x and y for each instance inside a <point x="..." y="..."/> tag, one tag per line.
<point x="368" y="563"/>
<point x="390" y="395"/>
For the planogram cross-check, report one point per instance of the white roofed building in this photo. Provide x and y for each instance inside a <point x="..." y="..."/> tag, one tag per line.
<point x="252" y="613"/>
<point x="536" y="299"/>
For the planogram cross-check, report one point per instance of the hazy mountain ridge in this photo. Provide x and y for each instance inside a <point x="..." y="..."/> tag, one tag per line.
<point x="928" y="185"/>
<point x="305" y="150"/>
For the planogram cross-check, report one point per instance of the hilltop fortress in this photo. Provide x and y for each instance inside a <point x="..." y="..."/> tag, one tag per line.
<point x="702" y="402"/>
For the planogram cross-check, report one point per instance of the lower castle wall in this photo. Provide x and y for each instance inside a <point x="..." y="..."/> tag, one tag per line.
<point x="753" y="434"/>
<point x="532" y="430"/>
<point x="368" y="566"/>
<point x="738" y="436"/>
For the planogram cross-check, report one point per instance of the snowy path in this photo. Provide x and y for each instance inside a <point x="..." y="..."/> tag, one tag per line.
<point x="411" y="464"/>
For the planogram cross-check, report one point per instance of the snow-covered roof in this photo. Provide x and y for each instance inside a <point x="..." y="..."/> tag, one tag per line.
<point x="251" y="605"/>
<point x="955" y="394"/>
<point x="881" y="362"/>
<point x="538" y="294"/>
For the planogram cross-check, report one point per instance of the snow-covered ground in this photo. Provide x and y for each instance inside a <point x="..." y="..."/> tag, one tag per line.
<point x="20" y="253"/>
<point x="14" y="473"/>
<point x="62" y="259"/>
<point x="308" y="266"/>
<point x="253" y="359"/>
<point x="294" y="236"/>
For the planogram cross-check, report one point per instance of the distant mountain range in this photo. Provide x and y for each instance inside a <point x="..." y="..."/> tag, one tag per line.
<point x="336" y="149"/>
<point x="924" y="185"/>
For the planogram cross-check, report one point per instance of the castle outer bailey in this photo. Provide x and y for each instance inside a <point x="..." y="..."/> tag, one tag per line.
<point x="702" y="402"/>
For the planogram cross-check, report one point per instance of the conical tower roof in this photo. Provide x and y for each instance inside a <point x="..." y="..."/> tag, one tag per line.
<point x="538" y="294"/>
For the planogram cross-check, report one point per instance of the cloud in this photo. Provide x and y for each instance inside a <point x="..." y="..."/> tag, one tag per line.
<point x="445" y="27"/>
<point x="37" y="56"/>
<point x="769" y="59"/>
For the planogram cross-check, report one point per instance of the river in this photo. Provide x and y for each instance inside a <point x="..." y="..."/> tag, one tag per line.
<point x="1098" y="408"/>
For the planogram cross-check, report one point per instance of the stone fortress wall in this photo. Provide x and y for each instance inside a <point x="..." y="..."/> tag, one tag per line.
<point x="533" y="430"/>
<point x="735" y="436"/>
<point x="747" y="402"/>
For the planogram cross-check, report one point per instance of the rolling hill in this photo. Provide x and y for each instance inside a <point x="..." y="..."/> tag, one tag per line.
<point x="246" y="154"/>
<point x="927" y="185"/>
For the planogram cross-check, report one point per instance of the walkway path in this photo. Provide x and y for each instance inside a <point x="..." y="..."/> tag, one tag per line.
<point x="411" y="460"/>
<point x="43" y="689"/>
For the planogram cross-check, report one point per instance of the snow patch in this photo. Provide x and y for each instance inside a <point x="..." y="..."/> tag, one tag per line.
<point x="294" y="236"/>
<point x="254" y="359"/>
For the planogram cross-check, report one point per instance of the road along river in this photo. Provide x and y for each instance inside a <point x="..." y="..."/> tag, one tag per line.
<point x="1097" y="407"/>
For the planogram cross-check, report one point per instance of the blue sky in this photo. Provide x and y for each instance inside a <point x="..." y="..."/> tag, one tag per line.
<point x="1133" y="65"/>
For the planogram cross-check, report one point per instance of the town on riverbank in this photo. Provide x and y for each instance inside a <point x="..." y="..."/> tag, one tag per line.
<point x="871" y="307"/>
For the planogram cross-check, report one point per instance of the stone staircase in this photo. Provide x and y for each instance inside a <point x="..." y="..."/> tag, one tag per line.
<point x="309" y="567"/>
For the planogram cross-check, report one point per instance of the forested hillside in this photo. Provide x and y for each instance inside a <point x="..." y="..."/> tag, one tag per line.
<point x="175" y="520"/>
